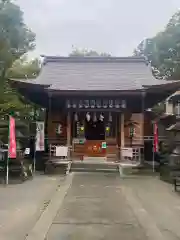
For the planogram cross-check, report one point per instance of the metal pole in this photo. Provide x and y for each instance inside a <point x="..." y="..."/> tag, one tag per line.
<point x="153" y="167"/>
<point x="34" y="155"/>
<point x="34" y="158"/>
<point x="7" y="170"/>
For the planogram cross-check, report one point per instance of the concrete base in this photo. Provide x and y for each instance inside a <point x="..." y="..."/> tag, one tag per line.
<point x="94" y="166"/>
<point x="95" y="159"/>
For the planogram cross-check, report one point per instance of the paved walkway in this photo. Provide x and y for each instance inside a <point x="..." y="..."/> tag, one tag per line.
<point x="103" y="206"/>
<point x="22" y="204"/>
<point x="95" y="208"/>
<point x="90" y="206"/>
<point x="155" y="203"/>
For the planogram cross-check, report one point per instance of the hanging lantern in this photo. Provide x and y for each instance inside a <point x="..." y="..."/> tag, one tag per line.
<point x="88" y="116"/>
<point x="101" y="117"/>
<point x="82" y="128"/>
<point x="110" y="117"/>
<point x="94" y="118"/>
<point x="59" y="129"/>
<point x="75" y="117"/>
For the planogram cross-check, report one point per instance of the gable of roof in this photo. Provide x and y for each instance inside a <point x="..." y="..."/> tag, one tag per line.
<point x="96" y="73"/>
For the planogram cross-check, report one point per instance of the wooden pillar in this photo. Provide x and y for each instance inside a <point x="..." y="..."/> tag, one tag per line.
<point x="122" y="133"/>
<point x="68" y="132"/>
<point x="48" y="117"/>
<point x="122" y="130"/>
<point x="142" y="124"/>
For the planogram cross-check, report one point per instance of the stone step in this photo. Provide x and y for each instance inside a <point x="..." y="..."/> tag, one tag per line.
<point x="94" y="167"/>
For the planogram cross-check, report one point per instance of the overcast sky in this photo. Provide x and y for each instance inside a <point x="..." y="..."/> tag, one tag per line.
<point x="114" y="26"/>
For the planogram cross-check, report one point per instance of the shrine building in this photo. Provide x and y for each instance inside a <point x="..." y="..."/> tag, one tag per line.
<point x="96" y="105"/>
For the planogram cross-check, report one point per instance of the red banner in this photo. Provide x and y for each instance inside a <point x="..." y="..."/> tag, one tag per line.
<point x="12" y="138"/>
<point x="156" y="148"/>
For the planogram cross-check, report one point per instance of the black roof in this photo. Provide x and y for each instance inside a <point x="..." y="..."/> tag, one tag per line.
<point x="96" y="73"/>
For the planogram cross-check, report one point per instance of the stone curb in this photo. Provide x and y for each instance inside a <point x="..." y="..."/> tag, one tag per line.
<point x="42" y="226"/>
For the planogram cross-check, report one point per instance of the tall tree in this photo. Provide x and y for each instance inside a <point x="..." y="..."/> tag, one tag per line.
<point x="163" y="50"/>
<point x="15" y="40"/>
<point x="87" y="53"/>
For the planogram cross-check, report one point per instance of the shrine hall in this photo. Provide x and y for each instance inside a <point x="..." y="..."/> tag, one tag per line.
<point x="96" y="105"/>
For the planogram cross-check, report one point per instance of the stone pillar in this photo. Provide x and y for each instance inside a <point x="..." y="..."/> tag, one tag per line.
<point x="68" y="132"/>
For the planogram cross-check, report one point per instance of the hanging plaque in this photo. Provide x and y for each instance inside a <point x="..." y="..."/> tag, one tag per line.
<point x="110" y="103"/>
<point x="92" y="103"/>
<point x="86" y="103"/>
<point x="98" y="103"/>
<point x="105" y="103"/>
<point x="80" y="103"/>
<point x="123" y="103"/>
<point x="117" y="103"/>
<point x="74" y="104"/>
<point x="68" y="104"/>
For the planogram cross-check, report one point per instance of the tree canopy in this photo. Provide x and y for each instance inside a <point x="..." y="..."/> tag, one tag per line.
<point x="88" y="53"/>
<point x="24" y="68"/>
<point x="16" y="39"/>
<point x="163" y="50"/>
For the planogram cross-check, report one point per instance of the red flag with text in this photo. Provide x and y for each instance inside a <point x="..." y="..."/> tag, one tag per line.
<point x="12" y="139"/>
<point x="156" y="149"/>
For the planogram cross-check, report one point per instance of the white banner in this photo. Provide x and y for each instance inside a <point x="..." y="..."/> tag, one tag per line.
<point x="40" y="146"/>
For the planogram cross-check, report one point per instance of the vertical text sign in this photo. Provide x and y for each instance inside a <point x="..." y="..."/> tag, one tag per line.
<point x="12" y="138"/>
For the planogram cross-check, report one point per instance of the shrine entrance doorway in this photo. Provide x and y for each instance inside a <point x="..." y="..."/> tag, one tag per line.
<point x="95" y="137"/>
<point x="95" y="130"/>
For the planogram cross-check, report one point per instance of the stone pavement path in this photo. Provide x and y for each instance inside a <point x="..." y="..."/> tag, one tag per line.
<point x="95" y="208"/>
<point x="22" y="204"/>
<point x="158" y="203"/>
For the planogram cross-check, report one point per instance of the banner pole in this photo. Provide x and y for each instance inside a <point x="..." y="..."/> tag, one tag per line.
<point x="7" y="170"/>
<point x="34" y="158"/>
<point x="153" y="167"/>
<point x="153" y="145"/>
<point x="7" y="158"/>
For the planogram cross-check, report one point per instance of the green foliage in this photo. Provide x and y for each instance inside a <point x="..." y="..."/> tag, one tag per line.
<point x="163" y="50"/>
<point x="24" y="69"/>
<point x="15" y="37"/>
<point x="15" y="40"/>
<point x="87" y="53"/>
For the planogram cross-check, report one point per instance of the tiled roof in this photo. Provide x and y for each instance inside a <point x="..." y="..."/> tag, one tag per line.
<point x="96" y="73"/>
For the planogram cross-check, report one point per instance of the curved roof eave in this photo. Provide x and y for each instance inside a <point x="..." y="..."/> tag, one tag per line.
<point x="27" y="83"/>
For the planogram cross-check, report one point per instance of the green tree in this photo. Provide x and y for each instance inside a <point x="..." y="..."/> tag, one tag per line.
<point x="87" y="53"/>
<point x="24" y="69"/>
<point x="163" y="50"/>
<point x="16" y="39"/>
